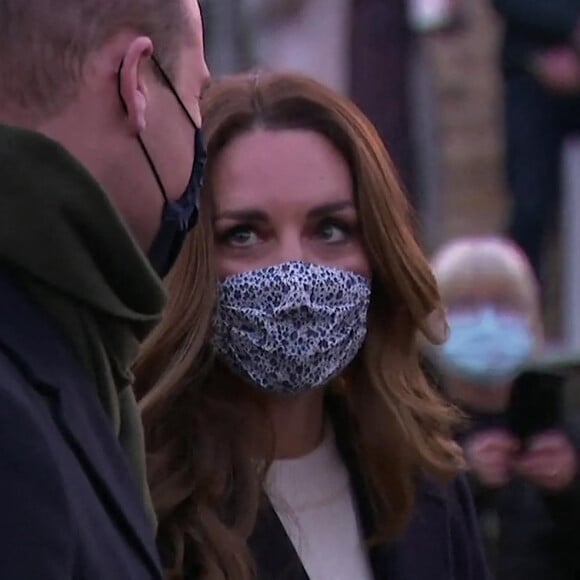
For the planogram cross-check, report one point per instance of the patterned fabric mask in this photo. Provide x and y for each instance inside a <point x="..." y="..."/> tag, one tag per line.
<point x="292" y="327"/>
<point x="487" y="346"/>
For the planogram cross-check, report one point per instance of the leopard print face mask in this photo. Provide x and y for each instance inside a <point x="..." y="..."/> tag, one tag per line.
<point x="292" y="327"/>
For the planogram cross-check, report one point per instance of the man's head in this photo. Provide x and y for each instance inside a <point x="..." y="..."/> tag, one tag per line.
<point x="83" y="73"/>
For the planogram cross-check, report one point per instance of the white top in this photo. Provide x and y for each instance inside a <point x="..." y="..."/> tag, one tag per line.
<point x="313" y="499"/>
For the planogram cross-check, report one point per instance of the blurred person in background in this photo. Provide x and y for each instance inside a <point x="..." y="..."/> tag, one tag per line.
<point x="292" y="434"/>
<point x="229" y="36"/>
<point x="101" y="161"/>
<point x="541" y="69"/>
<point x="306" y="36"/>
<point x="527" y="492"/>
<point x="382" y="47"/>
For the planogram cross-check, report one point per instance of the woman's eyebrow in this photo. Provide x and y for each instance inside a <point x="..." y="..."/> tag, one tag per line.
<point x="249" y="214"/>
<point x="328" y="208"/>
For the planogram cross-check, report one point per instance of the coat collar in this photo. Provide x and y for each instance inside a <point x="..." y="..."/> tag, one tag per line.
<point x="48" y="363"/>
<point x="276" y="556"/>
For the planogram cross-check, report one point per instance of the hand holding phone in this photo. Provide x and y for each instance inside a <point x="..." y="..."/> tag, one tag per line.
<point x="546" y="458"/>
<point x="550" y="461"/>
<point x="491" y="455"/>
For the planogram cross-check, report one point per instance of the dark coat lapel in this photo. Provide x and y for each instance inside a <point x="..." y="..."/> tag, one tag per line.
<point x="273" y="551"/>
<point x="48" y="363"/>
<point x="427" y="534"/>
<point x="382" y="557"/>
<point x="275" y="555"/>
<point x="397" y="560"/>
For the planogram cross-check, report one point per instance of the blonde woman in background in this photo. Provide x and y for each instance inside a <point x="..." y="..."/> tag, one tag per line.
<point x="527" y="492"/>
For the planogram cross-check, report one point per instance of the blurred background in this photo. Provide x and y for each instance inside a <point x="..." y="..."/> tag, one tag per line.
<point x="428" y="74"/>
<point x="478" y="102"/>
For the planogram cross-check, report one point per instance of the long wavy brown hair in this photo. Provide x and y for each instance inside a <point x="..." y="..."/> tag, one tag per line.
<point x="205" y="487"/>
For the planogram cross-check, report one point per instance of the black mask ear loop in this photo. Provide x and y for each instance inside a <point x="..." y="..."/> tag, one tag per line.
<point x="142" y="145"/>
<point x="170" y="86"/>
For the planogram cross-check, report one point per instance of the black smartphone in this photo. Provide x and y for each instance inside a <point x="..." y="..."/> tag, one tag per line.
<point x="536" y="404"/>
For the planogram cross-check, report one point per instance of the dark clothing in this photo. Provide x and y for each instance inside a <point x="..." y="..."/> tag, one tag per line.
<point x="536" y="120"/>
<point x="534" y="25"/>
<point x="441" y="542"/>
<point x="536" y="124"/>
<point x="64" y="244"/>
<point x="69" y="506"/>
<point x="380" y="59"/>
<point x="77" y="297"/>
<point x="530" y="534"/>
<point x="538" y="539"/>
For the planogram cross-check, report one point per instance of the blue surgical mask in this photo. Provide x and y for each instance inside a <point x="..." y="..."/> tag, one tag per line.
<point x="487" y="346"/>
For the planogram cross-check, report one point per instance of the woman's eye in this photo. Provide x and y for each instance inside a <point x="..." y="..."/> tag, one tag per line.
<point x="240" y="237"/>
<point x="333" y="232"/>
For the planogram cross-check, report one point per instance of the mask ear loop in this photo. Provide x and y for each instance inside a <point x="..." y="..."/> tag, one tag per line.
<point x="170" y="86"/>
<point x="139" y="139"/>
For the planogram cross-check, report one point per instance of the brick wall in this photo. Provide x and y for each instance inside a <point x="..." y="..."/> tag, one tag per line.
<point x="468" y="96"/>
<point x="468" y="88"/>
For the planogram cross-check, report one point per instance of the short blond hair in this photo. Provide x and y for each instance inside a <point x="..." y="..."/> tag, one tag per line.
<point x="469" y="268"/>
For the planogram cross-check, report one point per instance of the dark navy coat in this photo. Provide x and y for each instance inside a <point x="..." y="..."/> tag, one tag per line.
<point x="441" y="542"/>
<point x="69" y="506"/>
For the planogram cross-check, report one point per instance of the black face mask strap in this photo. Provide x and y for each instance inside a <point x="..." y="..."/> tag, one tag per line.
<point x="153" y="168"/>
<point x="170" y="86"/>
<point x="142" y="145"/>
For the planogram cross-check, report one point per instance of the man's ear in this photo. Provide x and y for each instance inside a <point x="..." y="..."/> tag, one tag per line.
<point x="132" y="83"/>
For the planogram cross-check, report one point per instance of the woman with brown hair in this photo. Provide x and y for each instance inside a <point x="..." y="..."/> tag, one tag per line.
<point x="290" y="429"/>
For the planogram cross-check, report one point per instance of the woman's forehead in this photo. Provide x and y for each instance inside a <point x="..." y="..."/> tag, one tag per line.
<point x="281" y="168"/>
